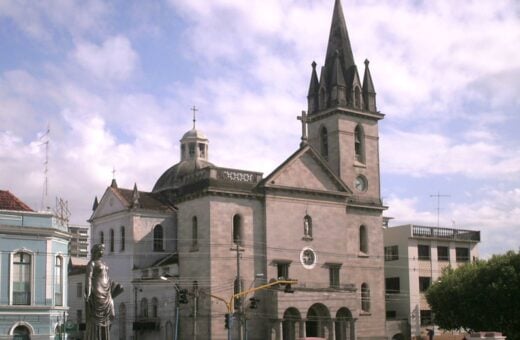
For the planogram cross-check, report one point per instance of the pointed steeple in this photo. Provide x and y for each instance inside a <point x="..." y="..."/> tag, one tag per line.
<point x="369" y="92"/>
<point x="337" y="83"/>
<point x="95" y="204"/>
<point x="135" y="197"/>
<point x="339" y="40"/>
<point x="312" y="96"/>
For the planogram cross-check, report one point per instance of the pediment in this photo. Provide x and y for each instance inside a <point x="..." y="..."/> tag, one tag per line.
<point x="110" y="203"/>
<point x="306" y="170"/>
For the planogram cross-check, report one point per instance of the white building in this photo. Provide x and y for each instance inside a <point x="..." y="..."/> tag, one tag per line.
<point x="415" y="256"/>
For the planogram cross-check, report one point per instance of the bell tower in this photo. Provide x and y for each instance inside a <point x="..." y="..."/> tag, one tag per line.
<point x="342" y="115"/>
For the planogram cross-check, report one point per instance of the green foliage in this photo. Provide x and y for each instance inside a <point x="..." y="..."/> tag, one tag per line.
<point x="480" y="296"/>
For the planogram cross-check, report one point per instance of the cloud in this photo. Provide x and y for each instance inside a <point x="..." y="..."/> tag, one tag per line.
<point x="41" y="20"/>
<point x="424" y="153"/>
<point x="114" y="59"/>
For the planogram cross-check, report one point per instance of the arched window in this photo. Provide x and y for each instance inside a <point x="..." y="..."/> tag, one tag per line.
<point x="365" y="298"/>
<point x="101" y="237"/>
<point x="122" y="235"/>
<point x="194" y="233"/>
<point x="155" y="307"/>
<point x="144" y="308"/>
<point x="22" y="278"/>
<point x="363" y="240"/>
<point x="158" y="238"/>
<point x="359" y="144"/>
<point x="237" y="230"/>
<point x="357" y="97"/>
<point x="324" y="142"/>
<point x="191" y="148"/>
<point x="58" y="281"/>
<point x="21" y="333"/>
<point x="122" y="321"/>
<point x="111" y="240"/>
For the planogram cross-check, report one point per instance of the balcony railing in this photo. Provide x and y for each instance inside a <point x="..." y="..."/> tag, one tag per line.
<point x="21" y="298"/>
<point x="446" y="233"/>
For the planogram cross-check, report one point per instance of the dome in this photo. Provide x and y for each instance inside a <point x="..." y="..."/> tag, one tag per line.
<point x="194" y="134"/>
<point x="170" y="179"/>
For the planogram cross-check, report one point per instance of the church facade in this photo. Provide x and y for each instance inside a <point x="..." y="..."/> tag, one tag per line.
<point x="316" y="219"/>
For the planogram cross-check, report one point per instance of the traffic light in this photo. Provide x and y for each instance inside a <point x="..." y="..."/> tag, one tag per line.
<point x="183" y="296"/>
<point x="226" y="321"/>
<point x="288" y="288"/>
<point x="254" y="303"/>
<point x="238" y="303"/>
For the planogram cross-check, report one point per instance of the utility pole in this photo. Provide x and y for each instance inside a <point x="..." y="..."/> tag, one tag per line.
<point x="438" y="196"/>
<point x="238" y="290"/>
<point x="195" y="307"/>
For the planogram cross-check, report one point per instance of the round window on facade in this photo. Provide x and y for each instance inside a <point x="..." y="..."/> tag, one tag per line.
<point x="308" y="258"/>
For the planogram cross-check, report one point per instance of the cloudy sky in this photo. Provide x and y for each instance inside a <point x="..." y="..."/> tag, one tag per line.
<point x="115" y="82"/>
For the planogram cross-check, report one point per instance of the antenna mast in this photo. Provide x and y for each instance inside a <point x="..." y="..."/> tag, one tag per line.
<point x="46" y="139"/>
<point x="438" y="196"/>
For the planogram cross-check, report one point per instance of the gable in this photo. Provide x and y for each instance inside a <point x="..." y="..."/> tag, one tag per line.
<point x="109" y="204"/>
<point x="305" y="171"/>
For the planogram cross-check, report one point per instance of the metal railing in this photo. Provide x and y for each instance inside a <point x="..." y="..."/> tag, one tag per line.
<point x="445" y="233"/>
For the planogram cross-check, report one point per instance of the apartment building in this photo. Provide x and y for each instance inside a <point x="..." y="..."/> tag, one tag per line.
<point x="415" y="257"/>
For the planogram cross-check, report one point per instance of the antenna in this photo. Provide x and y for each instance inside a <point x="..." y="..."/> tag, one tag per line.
<point x="62" y="212"/>
<point x="46" y="140"/>
<point x="438" y="196"/>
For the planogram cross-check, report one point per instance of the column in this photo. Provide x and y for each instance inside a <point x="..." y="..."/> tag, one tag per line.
<point x="302" y="328"/>
<point x="332" y="329"/>
<point x="353" y="335"/>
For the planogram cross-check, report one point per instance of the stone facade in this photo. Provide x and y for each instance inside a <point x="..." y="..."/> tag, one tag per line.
<point x="316" y="219"/>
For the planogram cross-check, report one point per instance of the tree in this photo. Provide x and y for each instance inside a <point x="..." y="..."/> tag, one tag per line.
<point x="480" y="296"/>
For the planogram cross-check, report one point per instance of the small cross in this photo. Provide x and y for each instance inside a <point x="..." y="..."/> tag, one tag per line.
<point x="194" y="109"/>
<point x="113" y="173"/>
<point x="304" y="120"/>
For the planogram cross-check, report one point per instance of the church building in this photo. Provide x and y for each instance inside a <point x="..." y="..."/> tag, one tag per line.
<point x="214" y="231"/>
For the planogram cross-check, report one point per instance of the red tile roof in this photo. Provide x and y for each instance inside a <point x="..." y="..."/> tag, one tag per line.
<point x="9" y="201"/>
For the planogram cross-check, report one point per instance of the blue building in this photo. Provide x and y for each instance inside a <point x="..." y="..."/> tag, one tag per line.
<point x="33" y="272"/>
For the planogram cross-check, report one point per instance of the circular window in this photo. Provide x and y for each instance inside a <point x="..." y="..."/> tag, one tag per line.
<point x="308" y="258"/>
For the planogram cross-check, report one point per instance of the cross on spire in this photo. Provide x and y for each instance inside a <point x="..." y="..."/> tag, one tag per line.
<point x="304" y="121"/>
<point x="194" y="109"/>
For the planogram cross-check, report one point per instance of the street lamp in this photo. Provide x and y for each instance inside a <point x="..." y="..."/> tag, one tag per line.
<point x="178" y="292"/>
<point x="257" y="276"/>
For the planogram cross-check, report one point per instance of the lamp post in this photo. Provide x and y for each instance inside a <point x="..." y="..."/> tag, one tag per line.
<point x="177" y="292"/>
<point x="257" y="276"/>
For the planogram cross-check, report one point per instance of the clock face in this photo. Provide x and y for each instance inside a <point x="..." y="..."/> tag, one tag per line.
<point x="308" y="258"/>
<point x="360" y="183"/>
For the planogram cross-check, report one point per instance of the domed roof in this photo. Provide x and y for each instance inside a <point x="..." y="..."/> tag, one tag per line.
<point x="170" y="179"/>
<point x="194" y="133"/>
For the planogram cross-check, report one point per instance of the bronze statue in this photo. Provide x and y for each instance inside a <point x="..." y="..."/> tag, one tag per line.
<point x="99" y="294"/>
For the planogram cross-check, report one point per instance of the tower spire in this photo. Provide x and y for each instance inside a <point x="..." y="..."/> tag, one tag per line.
<point x="339" y="40"/>
<point x="369" y="93"/>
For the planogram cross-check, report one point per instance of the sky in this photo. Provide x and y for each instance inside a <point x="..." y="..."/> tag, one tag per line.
<point x="114" y="81"/>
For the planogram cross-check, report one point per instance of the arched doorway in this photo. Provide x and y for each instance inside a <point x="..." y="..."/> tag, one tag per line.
<point x="21" y="333"/>
<point x="398" y="336"/>
<point x="290" y="324"/>
<point x="318" y="320"/>
<point x="344" y="328"/>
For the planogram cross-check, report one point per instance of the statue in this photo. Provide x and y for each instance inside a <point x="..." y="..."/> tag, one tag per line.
<point x="307" y="227"/>
<point x="99" y="294"/>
